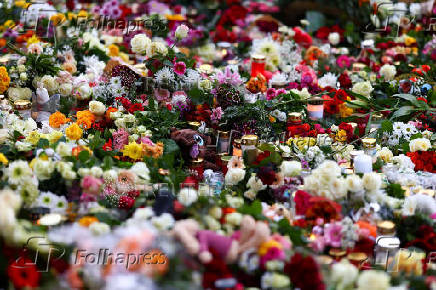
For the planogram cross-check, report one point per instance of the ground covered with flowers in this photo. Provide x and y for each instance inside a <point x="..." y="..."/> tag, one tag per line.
<point x="217" y="145"/>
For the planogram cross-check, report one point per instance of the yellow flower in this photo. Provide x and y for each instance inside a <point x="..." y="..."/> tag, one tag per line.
<point x="58" y="19"/>
<point x="408" y="40"/>
<point x="21" y="4"/>
<point x="265" y="246"/>
<point x="82" y="14"/>
<point x="4" y="79"/>
<point x="124" y="56"/>
<point x="113" y="50"/>
<point x="33" y="39"/>
<point x="3" y="159"/>
<point x="33" y="137"/>
<point x="272" y="119"/>
<point x="86" y="221"/>
<point x="74" y="132"/>
<point x="344" y="110"/>
<point x="133" y="150"/>
<point x="71" y="16"/>
<point x="341" y="136"/>
<point x="175" y="17"/>
<point x="40" y="157"/>
<point x="9" y="23"/>
<point x="303" y="142"/>
<point x="54" y="136"/>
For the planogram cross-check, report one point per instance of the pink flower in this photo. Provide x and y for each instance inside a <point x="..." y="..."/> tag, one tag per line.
<point x="270" y="94"/>
<point x="333" y="234"/>
<point x="162" y="95"/>
<point x="280" y="92"/>
<point x="180" y="68"/>
<point x="216" y="114"/>
<point x="146" y="140"/>
<point x="273" y="253"/>
<point x="318" y="244"/>
<point x="343" y="61"/>
<point x="121" y="138"/>
<point x="91" y="185"/>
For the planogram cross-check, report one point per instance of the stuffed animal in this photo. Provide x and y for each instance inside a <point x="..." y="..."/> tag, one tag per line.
<point x="194" y="145"/>
<point x="200" y="242"/>
<point x="43" y="105"/>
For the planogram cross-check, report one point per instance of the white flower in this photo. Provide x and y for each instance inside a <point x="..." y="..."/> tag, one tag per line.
<point x="65" y="89"/>
<point x="97" y="108"/>
<point x="110" y="176"/>
<point x="304" y="93"/>
<point x="4" y="135"/>
<point x="334" y="38"/>
<point x="363" y="88"/>
<point x="234" y="176"/>
<point x="157" y="47"/>
<point x="328" y="80"/>
<point x="343" y="274"/>
<point x="372" y="181"/>
<point x="141" y="170"/>
<point x="354" y="183"/>
<point x="215" y="212"/>
<point x="49" y="83"/>
<point x="64" y="149"/>
<point x="250" y="194"/>
<point x="421" y="203"/>
<point x="163" y="222"/>
<point x="212" y="223"/>
<point x="388" y="71"/>
<point x="96" y="171"/>
<point x="273" y="280"/>
<point x="419" y="144"/>
<point x="99" y="228"/>
<point x="182" y="31"/>
<point x="140" y="43"/>
<point x="385" y="154"/>
<point x="234" y="201"/>
<point x="187" y="196"/>
<point x="164" y="76"/>
<point x="255" y="184"/>
<point x="374" y="280"/>
<point x="338" y="188"/>
<point x="60" y="204"/>
<point x="143" y="213"/>
<point x="46" y="199"/>
<point x="43" y="168"/>
<point x="234" y="218"/>
<point x="23" y="146"/>
<point x="409" y="206"/>
<point x="83" y="92"/>
<point x="18" y="172"/>
<point x="290" y="168"/>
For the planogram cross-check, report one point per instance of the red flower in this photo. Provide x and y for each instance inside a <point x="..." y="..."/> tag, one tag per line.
<point x="126" y="202"/>
<point x="341" y="96"/>
<point x="261" y="157"/>
<point x="23" y="273"/>
<point x="323" y="33"/>
<point x="345" y="81"/>
<point x="302" y="202"/>
<point x="267" y="175"/>
<point x="302" y="38"/>
<point x="324" y="208"/>
<point x="135" y="107"/>
<point x="304" y="273"/>
<point x="107" y="146"/>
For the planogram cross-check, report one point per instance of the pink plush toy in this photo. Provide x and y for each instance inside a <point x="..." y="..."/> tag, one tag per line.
<point x="199" y="242"/>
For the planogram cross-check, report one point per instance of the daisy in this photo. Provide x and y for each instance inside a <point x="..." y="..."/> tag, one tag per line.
<point x="46" y="199"/>
<point x="18" y="172"/>
<point x="180" y="68"/>
<point x="60" y="204"/>
<point x="236" y="162"/>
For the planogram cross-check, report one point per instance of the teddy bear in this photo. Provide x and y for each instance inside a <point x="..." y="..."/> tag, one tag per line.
<point x="201" y="242"/>
<point x="194" y="145"/>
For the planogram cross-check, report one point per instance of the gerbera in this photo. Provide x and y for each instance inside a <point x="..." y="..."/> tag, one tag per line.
<point x="24" y="273"/>
<point x="236" y="162"/>
<point x="180" y="68"/>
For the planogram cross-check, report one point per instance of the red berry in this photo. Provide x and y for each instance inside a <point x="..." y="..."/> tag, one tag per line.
<point x="126" y="202"/>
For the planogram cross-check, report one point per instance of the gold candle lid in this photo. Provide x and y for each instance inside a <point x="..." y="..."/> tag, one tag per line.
<point x="369" y="142"/>
<point x="316" y="101"/>
<point x="324" y="260"/>
<point x="258" y="57"/>
<point x="385" y="227"/>
<point x="249" y="140"/>
<point x="377" y="117"/>
<point x="295" y="116"/>
<point x="357" y="257"/>
<point x="237" y="141"/>
<point x="337" y="252"/>
<point x="223" y="134"/>
<point x="197" y="161"/>
<point x="194" y="125"/>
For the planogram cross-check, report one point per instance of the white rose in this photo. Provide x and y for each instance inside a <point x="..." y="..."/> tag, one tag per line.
<point x="234" y="176"/>
<point x="187" y="196"/>
<point x="99" y="228"/>
<point x="338" y="188"/>
<point x="363" y="88"/>
<point x="182" y="31"/>
<point x="371" y="181"/>
<point x="334" y="38"/>
<point x="4" y="135"/>
<point x="250" y="194"/>
<point x="385" y="154"/>
<point x="21" y="68"/>
<point x="234" y="218"/>
<point x="10" y="199"/>
<point x="212" y="223"/>
<point x="234" y="201"/>
<point x="388" y="71"/>
<point x="255" y="183"/>
<point x="157" y="47"/>
<point x="96" y="171"/>
<point x="163" y="222"/>
<point x="419" y="144"/>
<point x="65" y="89"/>
<point x="83" y="92"/>
<point x="97" y="108"/>
<point x="143" y="213"/>
<point x="373" y="279"/>
<point x="23" y="76"/>
<point x="63" y="149"/>
<point x="344" y="274"/>
<point x="83" y="171"/>
<point x="140" y="43"/>
<point x="290" y="168"/>
<point x="354" y="183"/>
<point x="49" y="83"/>
<point x="141" y="170"/>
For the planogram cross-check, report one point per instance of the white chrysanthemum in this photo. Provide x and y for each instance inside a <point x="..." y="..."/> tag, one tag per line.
<point x="43" y="168"/>
<point x="18" y="172"/>
<point x="374" y="280"/>
<point x="60" y="204"/>
<point x="266" y="46"/>
<point x="192" y="77"/>
<point x="179" y="99"/>
<point x="187" y="196"/>
<point x="164" y="76"/>
<point x="328" y="80"/>
<point x="46" y="199"/>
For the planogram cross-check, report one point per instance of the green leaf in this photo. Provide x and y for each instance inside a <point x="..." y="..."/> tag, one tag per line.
<point x="254" y="209"/>
<point x="395" y="190"/>
<point x="403" y="111"/>
<point x="84" y="156"/>
<point x="43" y="143"/>
<point x="294" y="233"/>
<point x="107" y="163"/>
<point x="387" y="126"/>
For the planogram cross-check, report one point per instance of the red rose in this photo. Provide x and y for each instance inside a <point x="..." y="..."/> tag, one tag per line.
<point x="304" y="272"/>
<point x="302" y="202"/>
<point x="267" y="175"/>
<point x="345" y="81"/>
<point x="323" y="33"/>
<point x="302" y="38"/>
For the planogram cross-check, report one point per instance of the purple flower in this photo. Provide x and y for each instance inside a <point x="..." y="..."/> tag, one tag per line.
<point x="228" y="77"/>
<point x="333" y="234"/>
<point x="116" y="12"/>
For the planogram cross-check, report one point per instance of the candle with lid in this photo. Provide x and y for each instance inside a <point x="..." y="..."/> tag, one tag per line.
<point x="315" y="108"/>
<point x="369" y="146"/>
<point x="237" y="150"/>
<point x="257" y="64"/>
<point x="248" y="146"/>
<point x="387" y="244"/>
<point x="223" y="142"/>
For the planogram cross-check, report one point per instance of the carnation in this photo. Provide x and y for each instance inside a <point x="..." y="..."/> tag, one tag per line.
<point x="388" y="71"/>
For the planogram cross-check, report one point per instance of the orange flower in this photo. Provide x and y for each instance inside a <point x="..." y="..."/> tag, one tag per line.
<point x="86" y="221"/>
<point x="113" y="50"/>
<point x="4" y="79"/>
<point x="2" y="42"/>
<point x="57" y="119"/>
<point x="109" y="111"/>
<point x="257" y="84"/>
<point x="85" y="119"/>
<point x="154" y="151"/>
<point x="76" y="150"/>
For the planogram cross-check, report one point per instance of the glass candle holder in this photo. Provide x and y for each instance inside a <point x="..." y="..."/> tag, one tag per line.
<point x="315" y="108"/>
<point x="237" y="150"/>
<point x="196" y="168"/>
<point x="223" y="142"/>
<point x="369" y="146"/>
<point x="248" y="146"/>
<point x="257" y="64"/>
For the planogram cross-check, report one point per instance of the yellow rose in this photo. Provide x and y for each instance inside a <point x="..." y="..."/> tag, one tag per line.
<point x="33" y="137"/>
<point x="419" y="144"/>
<point x="74" y="132"/>
<point x="133" y="150"/>
<point x="341" y="136"/>
<point x="385" y="154"/>
<point x="54" y="136"/>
